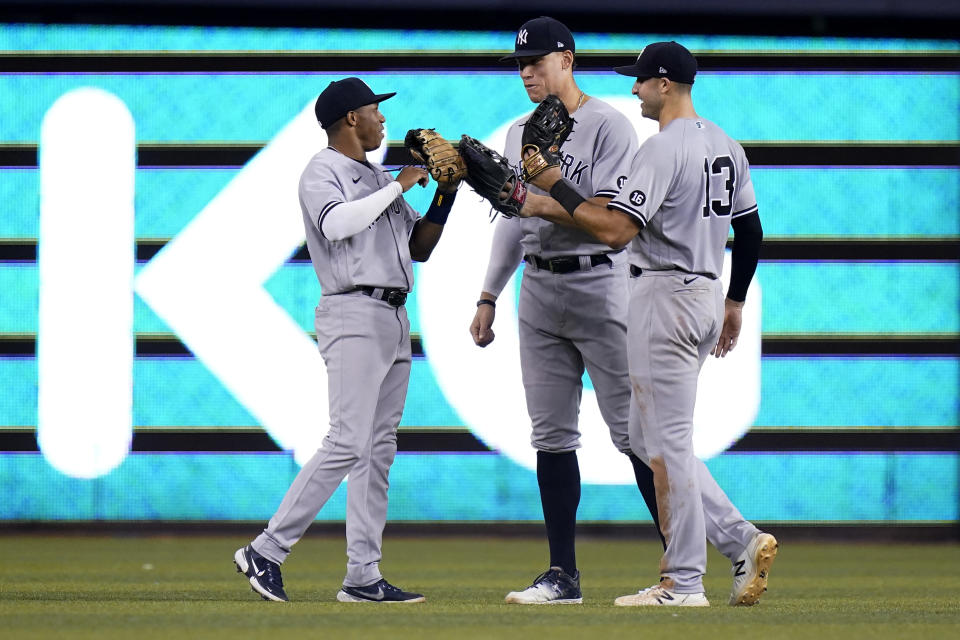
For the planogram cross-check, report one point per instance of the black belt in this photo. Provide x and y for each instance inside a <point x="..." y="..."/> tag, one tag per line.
<point x="565" y="264"/>
<point x="393" y="297"/>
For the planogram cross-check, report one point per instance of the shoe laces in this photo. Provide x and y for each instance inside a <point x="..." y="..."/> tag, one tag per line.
<point x="271" y="571"/>
<point x="555" y="578"/>
<point x="386" y="586"/>
<point x="550" y="575"/>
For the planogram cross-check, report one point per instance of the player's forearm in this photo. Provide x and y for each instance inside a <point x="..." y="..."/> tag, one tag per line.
<point x="747" y="237"/>
<point x="424" y="238"/>
<point x="546" y="208"/>
<point x="338" y="221"/>
<point x="506" y="252"/>
<point x="549" y="209"/>
<point x="428" y="229"/>
<point x="612" y="228"/>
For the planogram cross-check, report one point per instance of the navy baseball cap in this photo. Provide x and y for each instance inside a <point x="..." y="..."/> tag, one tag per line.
<point x="662" y="60"/>
<point x="343" y="96"/>
<point x="541" y="36"/>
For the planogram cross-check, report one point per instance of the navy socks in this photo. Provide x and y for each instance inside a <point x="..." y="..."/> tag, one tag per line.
<point x="558" y="475"/>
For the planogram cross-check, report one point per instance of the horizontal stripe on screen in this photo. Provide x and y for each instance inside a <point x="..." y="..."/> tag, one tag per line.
<point x="425" y="487"/>
<point x="798" y="391"/>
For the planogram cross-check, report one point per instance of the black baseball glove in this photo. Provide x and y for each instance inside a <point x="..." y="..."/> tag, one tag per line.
<point x="492" y="177"/>
<point x="439" y="157"/>
<point x="543" y="135"/>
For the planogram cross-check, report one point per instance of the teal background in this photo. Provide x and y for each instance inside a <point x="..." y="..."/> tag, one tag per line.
<point x="863" y="297"/>
<point x="797" y="201"/>
<point x="803" y="298"/>
<point x="253" y="107"/>
<point x="825" y="392"/>
<point x="893" y="487"/>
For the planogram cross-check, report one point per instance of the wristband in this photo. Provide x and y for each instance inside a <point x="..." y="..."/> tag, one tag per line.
<point x="567" y="196"/>
<point x="483" y="301"/>
<point x="440" y="207"/>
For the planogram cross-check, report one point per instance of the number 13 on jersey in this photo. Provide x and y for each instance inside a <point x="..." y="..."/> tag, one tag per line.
<point x="719" y="173"/>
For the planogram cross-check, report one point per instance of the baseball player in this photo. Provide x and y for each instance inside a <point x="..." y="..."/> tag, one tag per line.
<point x="573" y="299"/>
<point x="687" y="185"/>
<point x="361" y="235"/>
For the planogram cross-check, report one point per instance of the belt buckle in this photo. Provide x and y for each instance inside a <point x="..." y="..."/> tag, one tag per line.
<point x="396" y="298"/>
<point x="563" y="264"/>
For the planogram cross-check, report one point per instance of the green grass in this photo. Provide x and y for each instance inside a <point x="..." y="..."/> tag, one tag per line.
<point x="108" y="587"/>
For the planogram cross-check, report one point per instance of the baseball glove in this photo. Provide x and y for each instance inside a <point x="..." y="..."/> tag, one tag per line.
<point x="492" y="177"/>
<point x="438" y="156"/>
<point x="544" y="134"/>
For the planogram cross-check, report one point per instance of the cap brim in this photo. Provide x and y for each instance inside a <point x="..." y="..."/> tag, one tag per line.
<point x="631" y="70"/>
<point x="375" y="99"/>
<point x="380" y="97"/>
<point x="526" y="53"/>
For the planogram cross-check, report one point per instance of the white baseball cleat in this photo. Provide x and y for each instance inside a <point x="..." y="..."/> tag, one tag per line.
<point x="657" y="596"/>
<point x="751" y="569"/>
<point x="553" y="586"/>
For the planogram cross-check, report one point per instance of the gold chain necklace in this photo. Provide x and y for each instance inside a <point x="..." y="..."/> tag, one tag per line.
<point x="580" y="101"/>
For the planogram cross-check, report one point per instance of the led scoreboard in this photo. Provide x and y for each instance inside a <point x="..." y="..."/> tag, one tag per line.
<point x="156" y="298"/>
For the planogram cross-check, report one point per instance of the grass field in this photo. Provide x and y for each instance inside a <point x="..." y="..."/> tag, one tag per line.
<point x="108" y="587"/>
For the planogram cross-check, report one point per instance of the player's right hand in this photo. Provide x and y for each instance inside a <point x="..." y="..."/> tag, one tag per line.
<point x="410" y="176"/>
<point x="482" y="326"/>
<point x="732" y="321"/>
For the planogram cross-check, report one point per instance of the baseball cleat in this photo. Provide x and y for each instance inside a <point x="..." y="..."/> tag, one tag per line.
<point x="379" y="591"/>
<point x="553" y="586"/>
<point x="657" y="596"/>
<point x="751" y="569"/>
<point x="264" y="574"/>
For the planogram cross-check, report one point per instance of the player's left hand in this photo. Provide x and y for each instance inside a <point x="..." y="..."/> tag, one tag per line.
<point x="546" y="178"/>
<point x="732" y="319"/>
<point x="543" y="134"/>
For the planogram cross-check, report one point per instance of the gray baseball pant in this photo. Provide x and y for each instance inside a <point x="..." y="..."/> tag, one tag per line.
<point x="365" y="344"/>
<point x="673" y="326"/>
<point x="568" y="322"/>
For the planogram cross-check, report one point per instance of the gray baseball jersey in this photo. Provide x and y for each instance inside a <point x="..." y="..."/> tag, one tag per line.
<point x="379" y="257"/>
<point x="691" y="166"/>
<point x="575" y="320"/>
<point x="365" y="344"/>
<point x="686" y="183"/>
<point x="595" y="159"/>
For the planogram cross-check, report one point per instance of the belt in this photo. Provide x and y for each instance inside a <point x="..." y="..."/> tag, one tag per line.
<point x="566" y="264"/>
<point x="393" y="297"/>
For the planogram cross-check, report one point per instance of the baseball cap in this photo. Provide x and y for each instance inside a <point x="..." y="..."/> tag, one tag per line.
<point x="343" y="96"/>
<point x="662" y="60"/>
<point x="539" y="37"/>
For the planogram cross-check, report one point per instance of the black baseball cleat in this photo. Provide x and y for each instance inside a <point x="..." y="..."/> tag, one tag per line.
<point x="265" y="578"/>
<point x="379" y="591"/>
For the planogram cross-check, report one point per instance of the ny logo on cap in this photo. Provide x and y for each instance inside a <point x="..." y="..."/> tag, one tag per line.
<point x="662" y="70"/>
<point x="560" y="44"/>
<point x="522" y="37"/>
